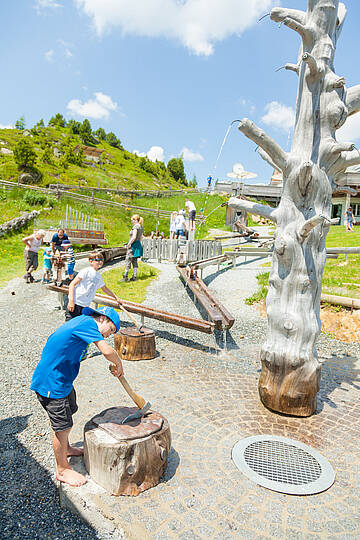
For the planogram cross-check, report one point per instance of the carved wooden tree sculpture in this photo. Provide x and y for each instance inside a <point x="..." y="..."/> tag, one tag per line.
<point x="290" y="373"/>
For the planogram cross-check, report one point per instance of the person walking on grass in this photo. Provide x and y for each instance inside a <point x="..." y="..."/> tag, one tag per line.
<point x="191" y="208"/>
<point x="134" y="247"/>
<point x="32" y="245"/>
<point x="349" y="217"/>
<point x="82" y="289"/>
<point x="58" y="368"/>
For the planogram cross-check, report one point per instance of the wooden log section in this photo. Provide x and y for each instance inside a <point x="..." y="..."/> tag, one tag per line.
<point x="222" y="319"/>
<point x="130" y="458"/>
<point x="132" y="344"/>
<point x="353" y="303"/>
<point x="179" y="320"/>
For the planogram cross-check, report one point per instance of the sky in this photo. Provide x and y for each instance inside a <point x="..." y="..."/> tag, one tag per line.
<point x="166" y="76"/>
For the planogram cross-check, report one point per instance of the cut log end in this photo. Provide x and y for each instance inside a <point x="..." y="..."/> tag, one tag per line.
<point x="126" y="459"/>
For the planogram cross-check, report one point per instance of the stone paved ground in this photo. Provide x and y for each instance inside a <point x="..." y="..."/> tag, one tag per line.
<point x="211" y="402"/>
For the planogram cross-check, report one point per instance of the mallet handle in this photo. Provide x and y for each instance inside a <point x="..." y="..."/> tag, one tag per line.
<point x="130" y="317"/>
<point x="140" y="401"/>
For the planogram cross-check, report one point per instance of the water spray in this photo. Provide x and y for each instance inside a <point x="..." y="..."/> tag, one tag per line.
<point x="213" y="173"/>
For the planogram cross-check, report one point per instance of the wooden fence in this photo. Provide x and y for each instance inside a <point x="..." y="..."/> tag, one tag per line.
<point x="121" y="191"/>
<point x="161" y="249"/>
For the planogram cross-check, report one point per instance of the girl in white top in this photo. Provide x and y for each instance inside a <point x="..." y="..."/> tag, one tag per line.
<point x="172" y="225"/>
<point x="32" y="245"/>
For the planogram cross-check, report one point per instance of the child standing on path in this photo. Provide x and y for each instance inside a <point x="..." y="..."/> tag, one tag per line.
<point x="69" y="250"/>
<point x="47" y="265"/>
<point x="180" y="224"/>
<point x="58" y="368"/>
<point x="173" y="225"/>
<point x="82" y="289"/>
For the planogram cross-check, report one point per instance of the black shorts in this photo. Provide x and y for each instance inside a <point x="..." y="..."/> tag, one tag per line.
<point x="192" y="215"/>
<point x="71" y="314"/>
<point x="60" y="410"/>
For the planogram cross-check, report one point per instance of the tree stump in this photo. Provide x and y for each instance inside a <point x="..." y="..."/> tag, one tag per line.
<point x="131" y="344"/>
<point x="126" y="459"/>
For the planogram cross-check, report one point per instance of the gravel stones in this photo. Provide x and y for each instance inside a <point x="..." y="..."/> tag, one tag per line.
<point x="28" y="497"/>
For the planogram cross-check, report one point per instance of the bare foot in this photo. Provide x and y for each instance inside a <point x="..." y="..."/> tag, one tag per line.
<point x="74" y="451"/>
<point x="71" y="477"/>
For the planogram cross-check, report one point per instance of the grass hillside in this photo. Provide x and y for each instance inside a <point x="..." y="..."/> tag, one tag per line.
<point x="116" y="221"/>
<point x="122" y="168"/>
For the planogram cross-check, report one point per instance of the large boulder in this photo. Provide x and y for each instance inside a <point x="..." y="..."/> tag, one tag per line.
<point x="30" y="177"/>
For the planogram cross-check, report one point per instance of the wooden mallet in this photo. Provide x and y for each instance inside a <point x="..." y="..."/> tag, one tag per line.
<point x="139" y="327"/>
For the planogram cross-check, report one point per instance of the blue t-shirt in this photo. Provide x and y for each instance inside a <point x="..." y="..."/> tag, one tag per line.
<point x="58" y="241"/>
<point x="60" y="360"/>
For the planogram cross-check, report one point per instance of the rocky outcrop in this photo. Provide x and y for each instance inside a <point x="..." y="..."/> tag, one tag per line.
<point x="30" y="177"/>
<point x="18" y="222"/>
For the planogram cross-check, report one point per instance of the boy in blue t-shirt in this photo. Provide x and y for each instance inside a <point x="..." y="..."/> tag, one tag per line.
<point x="47" y="265"/>
<point x="58" y="368"/>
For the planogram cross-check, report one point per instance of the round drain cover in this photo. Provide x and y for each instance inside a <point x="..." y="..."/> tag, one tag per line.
<point x="282" y="464"/>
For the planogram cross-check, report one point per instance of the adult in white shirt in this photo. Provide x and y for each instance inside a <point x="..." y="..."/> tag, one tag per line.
<point x="32" y="245"/>
<point x="191" y="208"/>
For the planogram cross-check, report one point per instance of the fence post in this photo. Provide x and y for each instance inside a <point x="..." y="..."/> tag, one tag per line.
<point x="92" y="197"/>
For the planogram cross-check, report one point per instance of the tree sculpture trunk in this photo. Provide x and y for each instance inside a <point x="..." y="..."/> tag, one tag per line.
<point x="290" y="374"/>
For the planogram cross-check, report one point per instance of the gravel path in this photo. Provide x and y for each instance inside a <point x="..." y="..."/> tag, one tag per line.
<point x="28" y="498"/>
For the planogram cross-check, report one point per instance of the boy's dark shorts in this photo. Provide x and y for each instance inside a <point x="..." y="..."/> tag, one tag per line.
<point x="192" y="215"/>
<point x="60" y="410"/>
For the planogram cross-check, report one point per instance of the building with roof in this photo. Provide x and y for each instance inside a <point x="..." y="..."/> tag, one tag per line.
<point x="346" y="194"/>
<point x="90" y="153"/>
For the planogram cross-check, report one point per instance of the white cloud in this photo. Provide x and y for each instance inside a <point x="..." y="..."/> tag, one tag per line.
<point x="49" y="55"/>
<point x="138" y="153"/>
<point x="41" y="5"/>
<point x="156" y="153"/>
<point x="97" y="108"/>
<point x="350" y="131"/>
<point x="8" y="126"/>
<point x="197" y="24"/>
<point x="189" y="155"/>
<point x="279" y="116"/>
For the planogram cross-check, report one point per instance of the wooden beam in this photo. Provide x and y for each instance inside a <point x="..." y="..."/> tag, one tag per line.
<point x="179" y="320"/>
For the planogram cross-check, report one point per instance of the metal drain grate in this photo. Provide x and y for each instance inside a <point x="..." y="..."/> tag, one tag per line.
<point x="283" y="465"/>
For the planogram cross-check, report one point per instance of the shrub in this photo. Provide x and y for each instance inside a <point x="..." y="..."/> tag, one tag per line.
<point x="34" y="197"/>
<point x="24" y="154"/>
